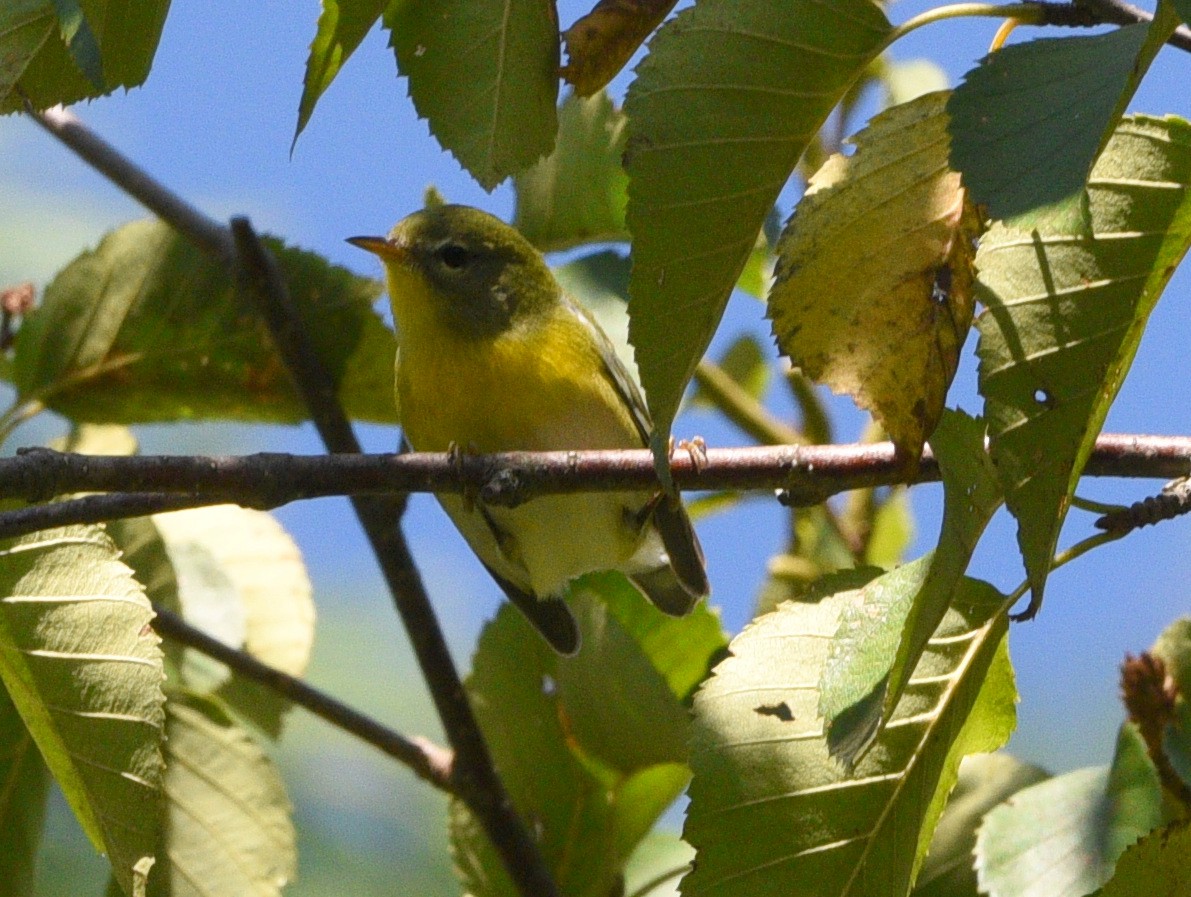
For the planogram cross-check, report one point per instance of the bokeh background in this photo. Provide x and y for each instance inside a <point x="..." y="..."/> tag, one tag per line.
<point x="215" y="122"/>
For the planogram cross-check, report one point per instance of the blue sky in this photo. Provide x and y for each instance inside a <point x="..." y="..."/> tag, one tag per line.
<point x="215" y="122"/>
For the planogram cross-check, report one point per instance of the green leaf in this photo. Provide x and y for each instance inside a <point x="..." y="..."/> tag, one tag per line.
<point x="484" y="74"/>
<point x="730" y="94"/>
<point x="660" y="860"/>
<point x="911" y="78"/>
<point x="772" y="814"/>
<point x="590" y="767"/>
<point x="747" y="364"/>
<point x="1174" y="647"/>
<point x="101" y="45"/>
<point x="1062" y="837"/>
<point x="577" y="194"/>
<point x="1184" y="9"/>
<point x="24" y="787"/>
<point x="227" y="827"/>
<point x="1063" y="319"/>
<point x="342" y="25"/>
<point x="1028" y="124"/>
<point x="985" y="780"/>
<point x="873" y="290"/>
<point x="880" y="640"/>
<point x="237" y="575"/>
<point x="76" y="34"/>
<point x="82" y="666"/>
<point x="146" y="328"/>
<point x="1156" y="866"/>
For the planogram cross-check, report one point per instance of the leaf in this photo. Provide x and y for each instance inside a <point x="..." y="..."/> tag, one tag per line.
<point x="1063" y="319"/>
<point x="601" y="43"/>
<point x="873" y="290"/>
<point x="881" y="638"/>
<point x="237" y="575"/>
<point x="1184" y="9"/>
<point x="76" y="34"/>
<point x="82" y="666"/>
<point x="24" y="787"/>
<point x="985" y="780"/>
<point x="145" y="328"/>
<point x="771" y="813"/>
<point x="1062" y="837"/>
<point x="909" y="79"/>
<point x="228" y="827"/>
<point x="660" y="860"/>
<point x="592" y="769"/>
<point x="342" y="25"/>
<point x="484" y="74"/>
<point x="577" y="194"/>
<point x="730" y="94"/>
<point x="101" y="45"/>
<point x="1028" y="124"/>
<point x="745" y="363"/>
<point x="1156" y="866"/>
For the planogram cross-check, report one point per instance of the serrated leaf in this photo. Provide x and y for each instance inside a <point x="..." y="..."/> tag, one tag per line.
<point x="1174" y="647"/>
<point x="1062" y="837"/>
<point x="985" y="780"/>
<point x="730" y="94"/>
<point x="601" y="43"/>
<point x="771" y="813"/>
<point x="577" y="194"/>
<point x="881" y="639"/>
<point x="146" y="328"/>
<point x="82" y="666"/>
<point x="484" y="74"/>
<point x="227" y="827"/>
<point x="1028" y="124"/>
<point x="342" y="25"/>
<point x="568" y="737"/>
<point x="1156" y="866"/>
<point x="1063" y="319"/>
<point x="102" y="45"/>
<point x="24" y="787"/>
<point x="76" y="34"/>
<point x="873" y="290"/>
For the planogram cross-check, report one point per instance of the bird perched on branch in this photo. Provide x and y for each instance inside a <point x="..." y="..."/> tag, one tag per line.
<point x="493" y="357"/>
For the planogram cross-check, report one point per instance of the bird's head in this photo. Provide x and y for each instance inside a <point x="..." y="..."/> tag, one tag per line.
<point x="479" y="275"/>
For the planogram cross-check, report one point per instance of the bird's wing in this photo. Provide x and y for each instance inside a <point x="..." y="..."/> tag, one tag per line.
<point x="669" y="516"/>
<point x="550" y="616"/>
<point x="614" y="369"/>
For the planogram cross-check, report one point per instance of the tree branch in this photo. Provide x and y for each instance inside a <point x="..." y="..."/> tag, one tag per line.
<point x="477" y="782"/>
<point x="429" y="761"/>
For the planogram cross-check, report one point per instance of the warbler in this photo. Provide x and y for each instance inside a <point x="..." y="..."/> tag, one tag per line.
<point x="493" y="356"/>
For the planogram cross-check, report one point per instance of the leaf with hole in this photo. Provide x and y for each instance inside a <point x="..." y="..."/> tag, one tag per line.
<point x="873" y="290"/>
<point x="1063" y="318"/>
<point x="770" y="811"/>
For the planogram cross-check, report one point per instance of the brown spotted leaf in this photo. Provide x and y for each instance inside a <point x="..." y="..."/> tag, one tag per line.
<point x="873" y="288"/>
<point x="602" y="42"/>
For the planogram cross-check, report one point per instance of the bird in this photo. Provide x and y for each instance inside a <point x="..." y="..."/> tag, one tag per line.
<point x="494" y="356"/>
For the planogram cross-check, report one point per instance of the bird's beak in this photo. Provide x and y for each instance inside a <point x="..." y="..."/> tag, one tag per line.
<point x="382" y="246"/>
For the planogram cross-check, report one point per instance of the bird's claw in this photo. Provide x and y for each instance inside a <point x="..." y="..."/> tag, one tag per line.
<point x="696" y="450"/>
<point x="457" y="456"/>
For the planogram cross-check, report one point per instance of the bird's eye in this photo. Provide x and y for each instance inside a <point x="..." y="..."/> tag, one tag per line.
<point x="453" y="256"/>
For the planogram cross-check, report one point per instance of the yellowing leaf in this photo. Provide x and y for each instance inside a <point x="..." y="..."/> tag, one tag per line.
<point x="873" y="289"/>
<point x="600" y="43"/>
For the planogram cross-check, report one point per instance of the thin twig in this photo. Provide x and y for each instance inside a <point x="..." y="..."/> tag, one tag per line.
<point x="477" y="782"/>
<point x="96" y="509"/>
<point x="429" y="761"/>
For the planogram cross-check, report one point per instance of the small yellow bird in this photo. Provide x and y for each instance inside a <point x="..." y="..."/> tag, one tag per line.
<point x="495" y="357"/>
